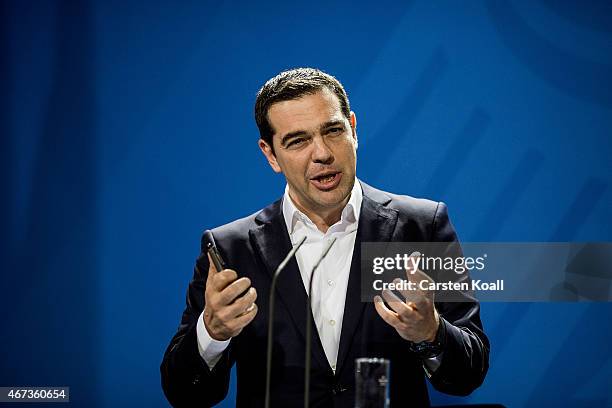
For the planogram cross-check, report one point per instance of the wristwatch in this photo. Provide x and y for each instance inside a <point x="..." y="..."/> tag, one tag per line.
<point x="430" y="349"/>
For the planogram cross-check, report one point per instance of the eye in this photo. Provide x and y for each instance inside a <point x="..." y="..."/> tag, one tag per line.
<point x="295" y="142"/>
<point x="335" y="131"/>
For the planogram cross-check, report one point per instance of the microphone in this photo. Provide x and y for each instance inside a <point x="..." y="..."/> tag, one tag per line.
<point x="309" y="326"/>
<point x="277" y="272"/>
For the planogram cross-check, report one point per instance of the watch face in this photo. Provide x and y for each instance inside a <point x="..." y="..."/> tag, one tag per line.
<point x="425" y="349"/>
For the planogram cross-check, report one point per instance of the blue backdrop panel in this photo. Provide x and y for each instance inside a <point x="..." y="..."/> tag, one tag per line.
<point x="127" y="129"/>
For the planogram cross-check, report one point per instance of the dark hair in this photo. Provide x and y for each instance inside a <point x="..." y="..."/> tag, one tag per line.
<point x="293" y="84"/>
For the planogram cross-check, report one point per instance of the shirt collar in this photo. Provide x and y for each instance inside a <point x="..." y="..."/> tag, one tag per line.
<point x="350" y="213"/>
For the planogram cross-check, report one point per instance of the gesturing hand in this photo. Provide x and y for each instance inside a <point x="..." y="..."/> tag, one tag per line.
<point x="415" y="319"/>
<point x="225" y="313"/>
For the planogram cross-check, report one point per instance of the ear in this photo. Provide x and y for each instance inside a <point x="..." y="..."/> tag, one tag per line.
<point x="353" y="120"/>
<point x="266" y="149"/>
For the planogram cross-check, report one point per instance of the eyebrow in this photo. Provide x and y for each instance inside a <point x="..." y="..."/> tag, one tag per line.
<point x="332" y="123"/>
<point x="298" y="133"/>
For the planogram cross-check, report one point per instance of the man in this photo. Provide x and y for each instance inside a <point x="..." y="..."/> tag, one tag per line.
<point x="308" y="133"/>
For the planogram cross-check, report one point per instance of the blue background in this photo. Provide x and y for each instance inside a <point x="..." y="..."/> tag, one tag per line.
<point x="127" y="129"/>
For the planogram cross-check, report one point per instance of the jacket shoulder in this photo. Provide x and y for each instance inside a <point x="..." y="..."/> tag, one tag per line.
<point x="419" y="208"/>
<point x="420" y="218"/>
<point x="237" y="230"/>
<point x="413" y="205"/>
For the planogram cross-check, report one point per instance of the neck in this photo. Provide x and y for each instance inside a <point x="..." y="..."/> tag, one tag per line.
<point x="323" y="218"/>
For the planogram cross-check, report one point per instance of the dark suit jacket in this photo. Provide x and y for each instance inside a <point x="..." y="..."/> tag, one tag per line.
<point x="254" y="246"/>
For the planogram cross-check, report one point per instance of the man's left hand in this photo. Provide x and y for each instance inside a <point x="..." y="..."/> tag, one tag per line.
<point x="415" y="319"/>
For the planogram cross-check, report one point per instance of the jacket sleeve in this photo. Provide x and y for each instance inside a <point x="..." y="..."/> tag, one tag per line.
<point x="186" y="379"/>
<point x="465" y="361"/>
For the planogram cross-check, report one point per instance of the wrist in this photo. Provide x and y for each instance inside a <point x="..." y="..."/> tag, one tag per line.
<point x="433" y="348"/>
<point x="206" y="319"/>
<point x="434" y="332"/>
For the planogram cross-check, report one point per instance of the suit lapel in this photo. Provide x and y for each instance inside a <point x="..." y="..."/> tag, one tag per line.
<point x="376" y="224"/>
<point x="272" y="241"/>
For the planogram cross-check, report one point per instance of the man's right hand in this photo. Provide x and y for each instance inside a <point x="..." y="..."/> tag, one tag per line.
<point x="225" y="313"/>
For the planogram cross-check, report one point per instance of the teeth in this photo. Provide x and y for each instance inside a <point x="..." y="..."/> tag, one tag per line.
<point x="327" y="178"/>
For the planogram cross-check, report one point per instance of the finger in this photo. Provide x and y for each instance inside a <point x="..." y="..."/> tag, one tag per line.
<point x="243" y="304"/>
<point x="413" y="263"/>
<point x="418" y="278"/>
<point x="420" y="275"/>
<point x="425" y="282"/>
<point x="233" y="290"/>
<point x="212" y="269"/>
<point x="414" y="274"/>
<point x="389" y="316"/>
<point x="246" y="318"/>
<point x="402" y="310"/>
<point x="412" y="296"/>
<point x="408" y="294"/>
<point x="221" y="280"/>
<point x="392" y="300"/>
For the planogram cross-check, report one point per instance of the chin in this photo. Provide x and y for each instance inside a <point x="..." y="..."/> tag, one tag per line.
<point x="334" y="198"/>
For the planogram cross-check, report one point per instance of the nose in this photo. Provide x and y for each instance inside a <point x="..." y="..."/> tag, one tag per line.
<point x="321" y="152"/>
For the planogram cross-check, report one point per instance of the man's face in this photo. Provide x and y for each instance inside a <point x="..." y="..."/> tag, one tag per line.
<point x="315" y="148"/>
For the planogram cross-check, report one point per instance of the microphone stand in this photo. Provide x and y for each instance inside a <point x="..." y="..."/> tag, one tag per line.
<point x="309" y="326"/>
<point x="277" y="272"/>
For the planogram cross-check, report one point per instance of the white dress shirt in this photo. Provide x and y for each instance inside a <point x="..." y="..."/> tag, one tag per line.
<point x="331" y="278"/>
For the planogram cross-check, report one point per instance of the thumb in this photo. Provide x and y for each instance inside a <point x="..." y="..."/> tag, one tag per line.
<point x="212" y="271"/>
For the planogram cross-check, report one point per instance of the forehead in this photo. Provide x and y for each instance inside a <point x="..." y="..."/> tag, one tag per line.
<point x="305" y="113"/>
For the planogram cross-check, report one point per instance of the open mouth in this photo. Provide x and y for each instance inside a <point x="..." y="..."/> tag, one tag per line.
<point x="326" y="181"/>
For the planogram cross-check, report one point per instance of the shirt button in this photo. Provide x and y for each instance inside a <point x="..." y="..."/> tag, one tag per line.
<point x="334" y="367"/>
<point x="331" y="282"/>
<point x="332" y="322"/>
